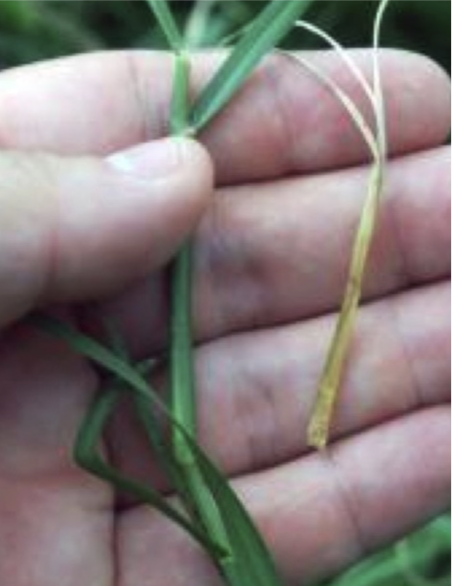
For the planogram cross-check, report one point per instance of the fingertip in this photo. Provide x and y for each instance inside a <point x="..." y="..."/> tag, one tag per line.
<point x="148" y="200"/>
<point x="90" y="227"/>
<point x="426" y="89"/>
<point x="180" y="166"/>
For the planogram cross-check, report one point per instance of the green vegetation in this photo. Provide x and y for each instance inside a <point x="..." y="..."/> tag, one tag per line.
<point x="38" y="29"/>
<point x="213" y="515"/>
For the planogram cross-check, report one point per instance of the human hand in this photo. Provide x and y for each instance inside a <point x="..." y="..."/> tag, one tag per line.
<point x="272" y="252"/>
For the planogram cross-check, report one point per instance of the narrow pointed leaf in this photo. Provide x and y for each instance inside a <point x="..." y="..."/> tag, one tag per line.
<point x="99" y="354"/>
<point x="165" y="18"/>
<point x="152" y="425"/>
<point x="180" y="103"/>
<point x="182" y="379"/>
<point x="250" y="562"/>
<point x="155" y="434"/>
<point x="117" y="366"/>
<point x="322" y="415"/>
<point x="344" y="54"/>
<point x="104" y="357"/>
<point x="244" y="559"/>
<point x="327" y="396"/>
<point x="87" y="456"/>
<point x="263" y="34"/>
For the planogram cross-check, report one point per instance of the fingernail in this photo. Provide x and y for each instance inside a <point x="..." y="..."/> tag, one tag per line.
<point x="151" y="160"/>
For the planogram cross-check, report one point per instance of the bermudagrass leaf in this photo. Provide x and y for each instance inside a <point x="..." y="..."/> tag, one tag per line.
<point x="91" y="349"/>
<point x="346" y="57"/>
<point x="180" y="102"/>
<point x="263" y="34"/>
<point x="87" y="456"/>
<point x="247" y="563"/>
<point x="419" y="555"/>
<point x="165" y="18"/>
<point x="182" y="379"/>
<point x="322" y="415"/>
<point x="244" y="558"/>
<point x="250" y="562"/>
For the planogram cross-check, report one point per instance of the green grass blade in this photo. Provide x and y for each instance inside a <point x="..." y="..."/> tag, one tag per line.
<point x="153" y="428"/>
<point x="169" y="464"/>
<point x="198" y="23"/>
<point x="91" y="349"/>
<point x="241" y="554"/>
<point x="419" y="555"/>
<point x="382" y="571"/>
<point x="165" y="18"/>
<point x="180" y="103"/>
<point x="250" y="562"/>
<point x="87" y="456"/>
<point x="104" y="357"/>
<point x="264" y="33"/>
<point x="182" y="378"/>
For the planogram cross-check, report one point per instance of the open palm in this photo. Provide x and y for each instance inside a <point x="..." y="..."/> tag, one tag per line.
<point x="272" y="254"/>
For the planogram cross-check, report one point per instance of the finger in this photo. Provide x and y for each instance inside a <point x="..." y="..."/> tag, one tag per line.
<point x="283" y="122"/>
<point x="275" y="253"/>
<point x="279" y="252"/>
<point x="320" y="514"/>
<point x="256" y="390"/>
<point x="73" y="229"/>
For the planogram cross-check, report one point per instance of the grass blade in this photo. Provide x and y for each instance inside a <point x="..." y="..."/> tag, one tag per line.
<point x="323" y="411"/>
<point x="198" y="23"/>
<point x="351" y="108"/>
<point x="100" y="355"/>
<point x="232" y="540"/>
<point x="180" y="103"/>
<point x="165" y="18"/>
<point x="182" y="376"/>
<point x="104" y="357"/>
<point x="264" y="33"/>
<point x="87" y="456"/>
<point x="346" y="57"/>
<point x="132" y="379"/>
<point x="320" y="422"/>
<point x="377" y="85"/>
<point x="322" y="415"/>
<point x="250" y="563"/>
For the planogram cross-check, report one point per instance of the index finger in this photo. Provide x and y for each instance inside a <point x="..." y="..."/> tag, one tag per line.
<point x="282" y="122"/>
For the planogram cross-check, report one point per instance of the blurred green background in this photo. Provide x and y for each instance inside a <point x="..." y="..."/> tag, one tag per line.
<point x="32" y="30"/>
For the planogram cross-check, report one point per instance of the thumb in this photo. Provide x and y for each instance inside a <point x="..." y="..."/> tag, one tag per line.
<point x="78" y="228"/>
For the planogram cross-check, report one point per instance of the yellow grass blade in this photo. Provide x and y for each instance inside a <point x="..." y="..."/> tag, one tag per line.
<point x="322" y="414"/>
<point x="327" y="396"/>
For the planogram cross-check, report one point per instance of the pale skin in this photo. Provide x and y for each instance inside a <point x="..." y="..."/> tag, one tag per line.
<point x="272" y="249"/>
